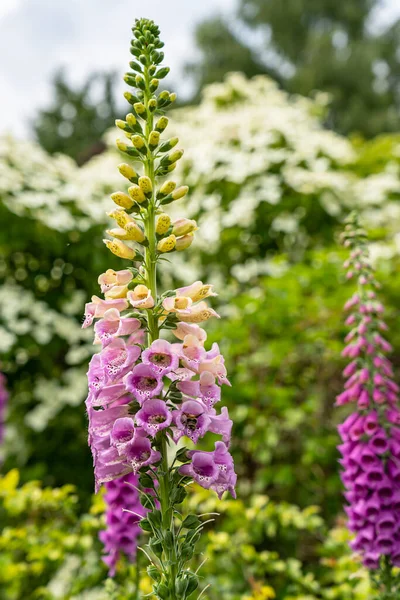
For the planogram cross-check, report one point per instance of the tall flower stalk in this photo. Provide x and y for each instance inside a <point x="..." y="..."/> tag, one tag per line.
<point x="146" y="393"/>
<point x="371" y="434"/>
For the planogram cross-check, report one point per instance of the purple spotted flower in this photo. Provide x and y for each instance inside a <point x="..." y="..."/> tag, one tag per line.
<point x="139" y="452"/>
<point x="204" y="388"/>
<point x="112" y="326"/>
<point x="117" y="358"/>
<point x="213" y="470"/>
<point x="192" y="420"/>
<point x="144" y="382"/>
<point x="161" y="357"/>
<point x="153" y="416"/>
<point x="203" y="468"/>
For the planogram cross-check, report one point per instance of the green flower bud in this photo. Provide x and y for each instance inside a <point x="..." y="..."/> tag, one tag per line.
<point x="138" y="141"/>
<point x="175" y="156"/>
<point x="152" y="105"/>
<point x="162" y="124"/>
<point x="121" y="124"/>
<point x="131" y="120"/>
<point x="163" y="72"/>
<point x="139" y="108"/>
<point x="172" y="97"/>
<point x="169" y="144"/>
<point x="129" y="79"/>
<point x="162" y="591"/>
<point x="135" y="67"/>
<point x="154" y="573"/>
<point x="123" y="147"/>
<point x="154" y="83"/>
<point x="140" y="82"/>
<point x="132" y="99"/>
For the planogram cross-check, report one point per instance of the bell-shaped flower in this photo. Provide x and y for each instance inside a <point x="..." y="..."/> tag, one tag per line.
<point x="153" y="416"/>
<point x="197" y="314"/>
<point x="140" y="297"/>
<point x="97" y="307"/>
<point x="196" y="291"/>
<point x="221" y="424"/>
<point x="139" y="453"/>
<point x="184" y="329"/>
<point x="144" y="382"/>
<point x="192" y="353"/>
<point x="217" y="367"/>
<point x="113" y="325"/>
<point x="161" y="357"/>
<point x="204" y="388"/>
<point x="117" y="358"/>
<point x="122" y="433"/>
<point x="112" y="278"/>
<point x="192" y="420"/>
<point x="203" y="468"/>
<point x="227" y="477"/>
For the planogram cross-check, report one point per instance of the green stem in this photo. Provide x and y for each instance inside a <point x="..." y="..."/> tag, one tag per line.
<point x="153" y="334"/>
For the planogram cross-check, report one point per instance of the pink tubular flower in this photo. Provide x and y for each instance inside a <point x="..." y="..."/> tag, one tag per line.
<point x="112" y="326"/>
<point x="144" y="382"/>
<point x="153" y="416"/>
<point x="161" y="357"/>
<point x="370" y="449"/>
<point x="98" y="307"/>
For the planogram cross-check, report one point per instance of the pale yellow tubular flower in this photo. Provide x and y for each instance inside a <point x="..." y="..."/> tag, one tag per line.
<point x="135" y="232"/>
<point x="140" y="297"/>
<point x="196" y="291"/>
<point x="163" y="223"/>
<point x="120" y="249"/>
<point x="136" y="193"/>
<point x="184" y="242"/>
<point x="199" y="313"/>
<point x="167" y="187"/>
<point x="121" y="217"/>
<point x="122" y="199"/>
<point x="184" y="226"/>
<point x="166" y="244"/>
<point x="117" y="291"/>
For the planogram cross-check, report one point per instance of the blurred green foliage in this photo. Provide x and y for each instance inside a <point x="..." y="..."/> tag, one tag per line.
<point x="269" y="188"/>
<point x="78" y="117"/>
<point x="341" y="48"/>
